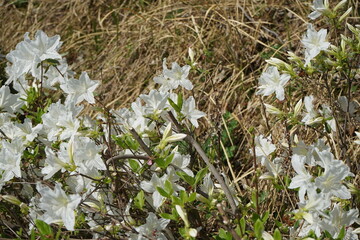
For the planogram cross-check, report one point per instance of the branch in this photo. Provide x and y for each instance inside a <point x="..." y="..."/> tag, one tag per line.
<point x="141" y="142"/>
<point x="212" y="169"/>
<point x="127" y="156"/>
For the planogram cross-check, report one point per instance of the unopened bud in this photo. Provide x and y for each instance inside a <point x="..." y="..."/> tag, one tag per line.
<point x="11" y="199"/>
<point x="345" y="14"/>
<point x="339" y="5"/>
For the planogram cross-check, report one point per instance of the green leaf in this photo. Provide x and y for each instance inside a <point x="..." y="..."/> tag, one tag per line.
<point x="163" y="192"/>
<point x="192" y="197"/>
<point x="160" y="162"/>
<point x="265" y="216"/>
<point x="168" y="187"/>
<point x="43" y="228"/>
<point x="327" y="127"/>
<point x="200" y="175"/>
<point x="139" y="200"/>
<point x="168" y="216"/>
<point x="242" y="224"/>
<point x="183" y="197"/>
<point x="186" y="178"/>
<point x="174" y="105"/>
<point x="180" y="101"/>
<point x="277" y="235"/>
<point x="131" y="143"/>
<point x="32" y="234"/>
<point x="168" y="160"/>
<point x="135" y="165"/>
<point x="342" y="233"/>
<point x="258" y="229"/>
<point x="176" y="201"/>
<point x="52" y="62"/>
<point x="225" y="235"/>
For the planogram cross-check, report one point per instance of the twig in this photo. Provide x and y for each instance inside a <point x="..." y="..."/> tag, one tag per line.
<point x="6" y="137"/>
<point x="226" y="222"/>
<point x="256" y="177"/>
<point x="141" y="142"/>
<point x="127" y="156"/>
<point x="212" y="169"/>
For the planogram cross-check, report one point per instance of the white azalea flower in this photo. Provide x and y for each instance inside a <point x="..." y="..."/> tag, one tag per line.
<point x="155" y="101"/>
<point x="52" y="76"/>
<point x="172" y="79"/>
<point x="27" y="131"/>
<point x="182" y="162"/>
<point x="330" y="182"/>
<point x="327" y="114"/>
<point x="9" y="102"/>
<point x="315" y="202"/>
<point x="314" y="226"/>
<point x="61" y="118"/>
<point x="311" y="152"/>
<point x="152" y="229"/>
<point x="150" y="186"/>
<point x="271" y="81"/>
<point x="314" y="42"/>
<point x="79" y="183"/>
<point x="53" y="163"/>
<point x="311" y="116"/>
<point x="208" y="185"/>
<point x="338" y="218"/>
<point x="303" y="179"/>
<point x="274" y="168"/>
<point x="69" y="125"/>
<point x="86" y="155"/>
<point x="58" y="206"/>
<point x="80" y="154"/>
<point x="190" y="112"/>
<point x="319" y="6"/>
<point x="29" y="53"/>
<point x="81" y="89"/>
<point x="9" y="164"/>
<point x="263" y="148"/>
<point x="44" y="47"/>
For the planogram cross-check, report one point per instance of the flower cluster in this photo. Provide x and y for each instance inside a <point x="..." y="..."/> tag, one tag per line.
<point x="316" y="192"/>
<point x="70" y="167"/>
<point x="322" y="181"/>
<point x="129" y="172"/>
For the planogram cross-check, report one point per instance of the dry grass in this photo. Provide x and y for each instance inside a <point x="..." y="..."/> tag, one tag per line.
<point x="123" y="43"/>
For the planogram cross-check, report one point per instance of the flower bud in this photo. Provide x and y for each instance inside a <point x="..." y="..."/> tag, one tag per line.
<point x="191" y="55"/>
<point x="273" y="110"/>
<point x="345" y="14"/>
<point x="192" y="232"/>
<point x="11" y="199"/>
<point x="298" y="107"/>
<point x="339" y="5"/>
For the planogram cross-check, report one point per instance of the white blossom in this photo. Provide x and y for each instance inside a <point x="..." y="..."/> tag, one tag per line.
<point x="152" y="229"/>
<point x="314" y="42"/>
<point x="174" y="77"/>
<point x="58" y="206"/>
<point x="29" y="53"/>
<point x="271" y="81"/>
<point x="80" y="89"/>
<point x="319" y="6"/>
<point x="190" y="112"/>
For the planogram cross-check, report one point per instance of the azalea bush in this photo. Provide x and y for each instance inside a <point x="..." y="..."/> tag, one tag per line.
<point x="142" y="172"/>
